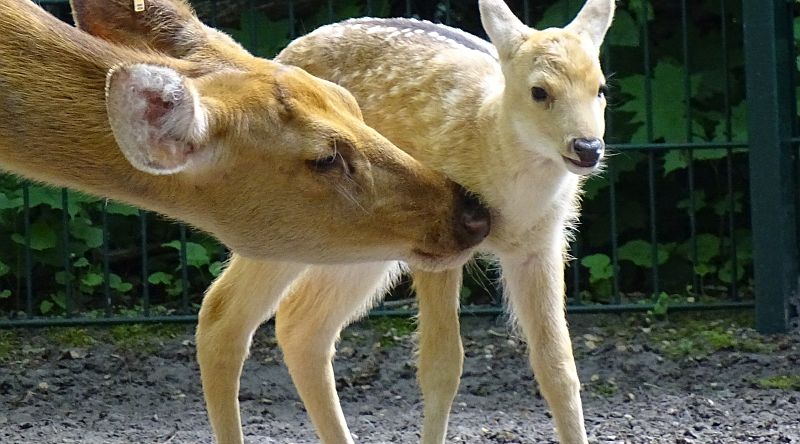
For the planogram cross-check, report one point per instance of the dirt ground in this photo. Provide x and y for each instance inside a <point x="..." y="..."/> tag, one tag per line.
<point x="686" y="381"/>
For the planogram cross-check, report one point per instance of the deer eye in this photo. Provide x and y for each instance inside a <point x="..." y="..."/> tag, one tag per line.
<point x="327" y="163"/>
<point x="539" y="94"/>
<point x="602" y="91"/>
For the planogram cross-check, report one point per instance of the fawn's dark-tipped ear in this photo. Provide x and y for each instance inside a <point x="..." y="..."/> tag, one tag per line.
<point x="169" y="26"/>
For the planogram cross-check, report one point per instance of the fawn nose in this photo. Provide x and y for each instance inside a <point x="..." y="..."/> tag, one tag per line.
<point x="472" y="218"/>
<point x="589" y="151"/>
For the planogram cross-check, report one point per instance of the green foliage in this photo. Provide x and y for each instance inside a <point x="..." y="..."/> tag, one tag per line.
<point x="71" y="336"/>
<point x="779" y="382"/>
<point x="676" y="98"/>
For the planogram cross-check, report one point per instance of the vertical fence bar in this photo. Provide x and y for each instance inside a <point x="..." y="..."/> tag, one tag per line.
<point x="687" y="97"/>
<point x="145" y="263"/>
<point x="734" y="293"/>
<point x="109" y="304"/>
<point x="68" y="302"/>
<point x="769" y="64"/>
<point x="651" y="157"/>
<point x="26" y="222"/>
<point x="184" y="272"/>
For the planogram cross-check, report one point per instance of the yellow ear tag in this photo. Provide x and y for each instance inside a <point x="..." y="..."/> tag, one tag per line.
<point x="138" y="5"/>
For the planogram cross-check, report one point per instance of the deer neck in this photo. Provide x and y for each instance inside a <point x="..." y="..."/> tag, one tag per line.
<point x="53" y="122"/>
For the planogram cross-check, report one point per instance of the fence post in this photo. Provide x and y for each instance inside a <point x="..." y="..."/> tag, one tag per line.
<point x="768" y="44"/>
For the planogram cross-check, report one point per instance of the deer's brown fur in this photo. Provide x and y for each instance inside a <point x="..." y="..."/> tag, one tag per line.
<point x="230" y="146"/>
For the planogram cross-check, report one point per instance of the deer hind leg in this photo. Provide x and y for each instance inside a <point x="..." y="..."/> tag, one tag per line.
<point x="245" y="295"/>
<point x="441" y="353"/>
<point x="535" y="285"/>
<point x="308" y="323"/>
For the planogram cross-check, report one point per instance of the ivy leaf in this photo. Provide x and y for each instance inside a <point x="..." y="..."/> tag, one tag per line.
<point x="196" y="254"/>
<point x="5" y="294"/>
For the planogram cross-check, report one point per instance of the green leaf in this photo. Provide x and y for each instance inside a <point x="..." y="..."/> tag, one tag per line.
<point x="4" y="269"/>
<point x="557" y="15"/>
<point x="45" y="307"/>
<point x="625" y="31"/>
<point x="196" y="254"/>
<point x="160" y="277"/>
<point x="667" y="103"/>
<point x="216" y="268"/>
<point x="707" y="247"/>
<point x="5" y="294"/>
<point x="116" y="282"/>
<point x="661" y="305"/>
<point x="81" y="262"/>
<point x="8" y="203"/>
<point x="675" y="160"/>
<point x="640" y="253"/>
<point x="92" y="279"/>
<point x="599" y="266"/>
<point x="43" y="237"/>
<point x="121" y="209"/>
<point x="82" y="229"/>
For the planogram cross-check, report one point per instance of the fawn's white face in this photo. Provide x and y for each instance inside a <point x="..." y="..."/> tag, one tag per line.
<point x="554" y="82"/>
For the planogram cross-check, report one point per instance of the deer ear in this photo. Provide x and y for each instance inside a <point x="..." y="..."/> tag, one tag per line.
<point x="593" y="20"/>
<point x="157" y="119"/>
<point x="169" y="26"/>
<point x="505" y="30"/>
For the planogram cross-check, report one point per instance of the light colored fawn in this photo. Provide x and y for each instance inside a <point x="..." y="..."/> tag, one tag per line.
<point x="519" y="121"/>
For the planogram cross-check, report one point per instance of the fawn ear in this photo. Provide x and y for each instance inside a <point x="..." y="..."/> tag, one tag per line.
<point x="593" y="20"/>
<point x="157" y="118"/>
<point x="169" y="26"/>
<point x="505" y="30"/>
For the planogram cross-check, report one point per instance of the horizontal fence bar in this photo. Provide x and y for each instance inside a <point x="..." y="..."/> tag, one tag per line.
<point x="476" y="310"/>
<point x="677" y="146"/>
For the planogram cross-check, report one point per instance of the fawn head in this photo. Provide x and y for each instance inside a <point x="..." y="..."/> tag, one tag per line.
<point x="339" y="189"/>
<point x="555" y="90"/>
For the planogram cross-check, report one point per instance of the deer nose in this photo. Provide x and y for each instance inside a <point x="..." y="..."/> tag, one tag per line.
<point x="472" y="218"/>
<point x="589" y="151"/>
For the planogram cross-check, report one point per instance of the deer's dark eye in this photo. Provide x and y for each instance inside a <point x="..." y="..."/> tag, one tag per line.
<point x="327" y="163"/>
<point x="539" y="94"/>
<point x="602" y="91"/>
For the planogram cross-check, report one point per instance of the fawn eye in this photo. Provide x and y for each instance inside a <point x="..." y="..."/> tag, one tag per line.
<point x="602" y="91"/>
<point x="539" y="94"/>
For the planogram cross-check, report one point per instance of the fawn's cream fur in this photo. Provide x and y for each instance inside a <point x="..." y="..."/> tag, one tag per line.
<point x="466" y="108"/>
<point x="232" y="147"/>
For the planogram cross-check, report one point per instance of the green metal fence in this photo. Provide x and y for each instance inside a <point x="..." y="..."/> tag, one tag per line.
<point x="666" y="227"/>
